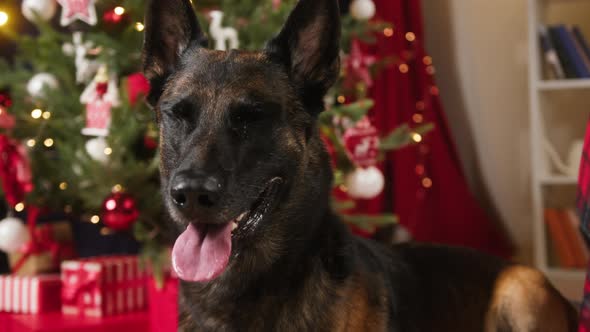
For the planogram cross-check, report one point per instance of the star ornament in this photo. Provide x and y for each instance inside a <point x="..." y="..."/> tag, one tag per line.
<point x="357" y="65"/>
<point x="83" y="10"/>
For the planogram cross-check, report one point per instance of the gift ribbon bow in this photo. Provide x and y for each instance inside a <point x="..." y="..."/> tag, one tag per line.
<point x="41" y="241"/>
<point x="80" y="282"/>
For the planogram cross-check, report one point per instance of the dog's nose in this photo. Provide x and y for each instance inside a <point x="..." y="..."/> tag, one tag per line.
<point x="189" y="190"/>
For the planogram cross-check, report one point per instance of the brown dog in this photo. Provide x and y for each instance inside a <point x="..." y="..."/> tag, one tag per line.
<point x="247" y="181"/>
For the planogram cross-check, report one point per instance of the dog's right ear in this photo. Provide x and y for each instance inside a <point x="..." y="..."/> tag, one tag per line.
<point x="171" y="26"/>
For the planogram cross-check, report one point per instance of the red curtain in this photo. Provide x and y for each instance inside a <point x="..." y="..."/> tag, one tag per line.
<point x="428" y="189"/>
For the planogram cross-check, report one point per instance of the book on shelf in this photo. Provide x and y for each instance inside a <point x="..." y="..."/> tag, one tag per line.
<point x="574" y="219"/>
<point x="565" y="40"/>
<point x="582" y="42"/>
<point x="559" y="238"/>
<point x="550" y="53"/>
<point x="569" y="246"/>
<point x="579" y="48"/>
<point x="566" y="62"/>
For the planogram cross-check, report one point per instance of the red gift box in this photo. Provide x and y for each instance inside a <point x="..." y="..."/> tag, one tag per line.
<point x="103" y="286"/>
<point x="163" y="305"/>
<point x="30" y="295"/>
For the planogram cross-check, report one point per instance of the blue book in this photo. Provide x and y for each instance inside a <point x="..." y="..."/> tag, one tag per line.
<point x="582" y="40"/>
<point x="566" y="63"/>
<point x="550" y="53"/>
<point x="569" y="44"/>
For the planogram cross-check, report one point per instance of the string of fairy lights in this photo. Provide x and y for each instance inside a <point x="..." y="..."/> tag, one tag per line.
<point x="38" y="114"/>
<point x="404" y="64"/>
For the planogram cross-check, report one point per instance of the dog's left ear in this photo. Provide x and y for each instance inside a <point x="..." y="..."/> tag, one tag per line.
<point x="171" y="26"/>
<point x="309" y="45"/>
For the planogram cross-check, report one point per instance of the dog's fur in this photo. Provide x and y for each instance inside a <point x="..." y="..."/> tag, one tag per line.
<point x="242" y="119"/>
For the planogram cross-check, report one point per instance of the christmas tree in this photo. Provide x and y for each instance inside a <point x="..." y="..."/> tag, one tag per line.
<point x="77" y="136"/>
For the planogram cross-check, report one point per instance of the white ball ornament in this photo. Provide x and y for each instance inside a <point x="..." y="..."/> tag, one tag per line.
<point x="362" y="10"/>
<point x="38" y="84"/>
<point x="365" y="183"/>
<point x="96" y="149"/>
<point x="44" y="9"/>
<point x="13" y="235"/>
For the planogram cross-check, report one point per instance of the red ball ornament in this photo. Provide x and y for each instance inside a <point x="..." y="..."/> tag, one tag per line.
<point x="119" y="211"/>
<point x="137" y="87"/>
<point x="5" y="100"/>
<point x="111" y="17"/>
<point x="150" y="143"/>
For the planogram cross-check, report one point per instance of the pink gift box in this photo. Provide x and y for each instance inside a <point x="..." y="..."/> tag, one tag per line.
<point x="103" y="286"/>
<point x="30" y="295"/>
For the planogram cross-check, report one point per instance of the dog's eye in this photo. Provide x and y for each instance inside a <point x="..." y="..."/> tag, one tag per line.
<point x="184" y="111"/>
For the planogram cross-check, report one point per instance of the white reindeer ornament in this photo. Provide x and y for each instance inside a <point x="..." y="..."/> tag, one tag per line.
<point x="85" y="67"/>
<point x="222" y="35"/>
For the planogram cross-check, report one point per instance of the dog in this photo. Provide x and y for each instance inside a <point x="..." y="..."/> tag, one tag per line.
<point x="246" y="181"/>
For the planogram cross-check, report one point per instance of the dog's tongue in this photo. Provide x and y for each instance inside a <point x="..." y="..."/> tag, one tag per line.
<point x="202" y="252"/>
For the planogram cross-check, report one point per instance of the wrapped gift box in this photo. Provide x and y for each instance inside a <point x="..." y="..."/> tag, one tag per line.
<point x="103" y="286"/>
<point x="163" y="304"/>
<point x="30" y="295"/>
<point x="57" y="236"/>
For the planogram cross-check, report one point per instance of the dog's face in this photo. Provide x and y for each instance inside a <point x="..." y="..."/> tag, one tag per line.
<point x="240" y="150"/>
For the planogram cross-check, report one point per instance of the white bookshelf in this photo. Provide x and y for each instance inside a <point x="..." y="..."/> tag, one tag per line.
<point x="543" y="119"/>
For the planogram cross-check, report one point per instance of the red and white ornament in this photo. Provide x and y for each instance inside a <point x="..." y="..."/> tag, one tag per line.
<point x="362" y="143"/>
<point x="99" y="97"/>
<point x="119" y="211"/>
<point x="365" y="183"/>
<point x="83" y="10"/>
<point x="357" y="65"/>
<point x="13" y="235"/>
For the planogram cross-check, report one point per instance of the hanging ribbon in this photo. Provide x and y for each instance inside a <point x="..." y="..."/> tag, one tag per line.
<point x="15" y="171"/>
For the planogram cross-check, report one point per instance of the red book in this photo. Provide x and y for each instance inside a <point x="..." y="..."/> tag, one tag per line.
<point x="574" y="220"/>
<point x="572" y="239"/>
<point x="559" y="238"/>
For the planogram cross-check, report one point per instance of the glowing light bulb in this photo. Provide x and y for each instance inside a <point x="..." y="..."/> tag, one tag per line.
<point x="63" y="186"/>
<point x="108" y="151"/>
<point x="19" y="207"/>
<point x="404" y="68"/>
<point x="48" y="142"/>
<point x="46" y="115"/>
<point x="31" y="143"/>
<point x="418" y="118"/>
<point x="3" y="18"/>
<point x="95" y="219"/>
<point x="388" y="32"/>
<point x="119" y="10"/>
<point x="36" y="113"/>
<point x="417" y="138"/>
<point x="139" y="26"/>
<point x="410" y="36"/>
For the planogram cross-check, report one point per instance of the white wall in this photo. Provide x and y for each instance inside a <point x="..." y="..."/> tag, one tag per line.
<point x="480" y="53"/>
